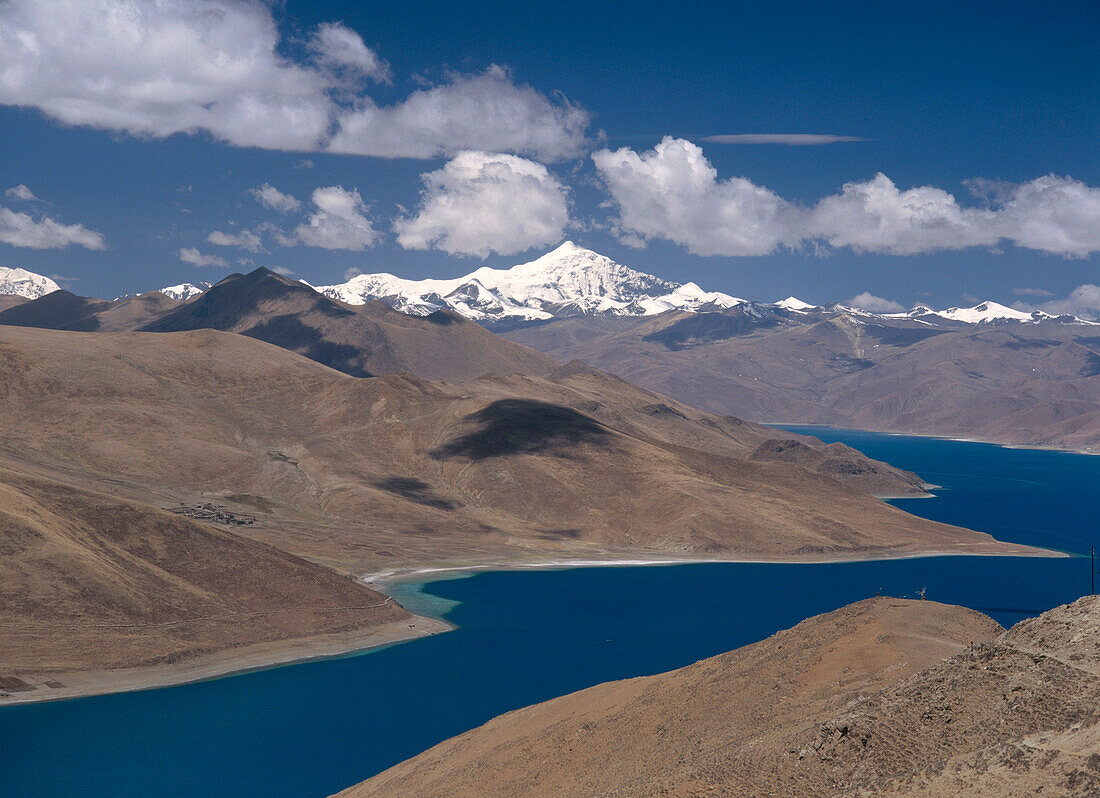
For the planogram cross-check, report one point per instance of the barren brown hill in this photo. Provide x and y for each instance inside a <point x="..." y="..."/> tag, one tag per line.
<point x="855" y="702"/>
<point x="90" y="583"/>
<point x="362" y="473"/>
<point x="722" y="726"/>
<point x="11" y="301"/>
<point x="361" y="340"/>
<point x="62" y="310"/>
<point x="1036" y="384"/>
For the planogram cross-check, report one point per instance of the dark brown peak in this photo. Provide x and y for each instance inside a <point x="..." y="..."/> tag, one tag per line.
<point x="226" y="304"/>
<point x="11" y="301"/>
<point x="149" y="298"/>
<point x="228" y="279"/>
<point x="259" y="274"/>
<point x="58" y="310"/>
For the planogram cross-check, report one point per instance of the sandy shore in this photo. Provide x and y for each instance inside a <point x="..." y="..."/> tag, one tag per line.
<point x="783" y="425"/>
<point x="256" y="657"/>
<point x="380" y="580"/>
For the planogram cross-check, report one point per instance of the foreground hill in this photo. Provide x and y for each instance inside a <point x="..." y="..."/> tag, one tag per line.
<point x="1008" y="381"/>
<point x="854" y="702"/>
<point x="90" y="583"/>
<point x="367" y="472"/>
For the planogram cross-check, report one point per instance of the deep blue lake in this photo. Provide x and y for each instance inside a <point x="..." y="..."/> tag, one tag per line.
<point x="314" y="728"/>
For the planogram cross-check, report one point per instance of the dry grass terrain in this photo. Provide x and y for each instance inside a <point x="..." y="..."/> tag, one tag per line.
<point x="365" y="473"/>
<point x="92" y="583"/>
<point x="855" y="702"/>
<point x="516" y="459"/>
<point x="10" y="301"/>
<point x="1009" y="383"/>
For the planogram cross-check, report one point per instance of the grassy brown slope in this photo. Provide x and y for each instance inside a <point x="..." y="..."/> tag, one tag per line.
<point x="61" y="310"/>
<point x="718" y="727"/>
<point x="361" y="340"/>
<point x="362" y="473"/>
<point x="858" y="702"/>
<point x="89" y="582"/>
<point x="11" y="301"/>
<point x="1019" y="715"/>
<point x="1018" y="383"/>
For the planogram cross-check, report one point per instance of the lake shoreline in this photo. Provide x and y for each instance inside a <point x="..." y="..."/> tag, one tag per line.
<point x="226" y="663"/>
<point x="263" y="656"/>
<point x="787" y="425"/>
<point x="381" y="580"/>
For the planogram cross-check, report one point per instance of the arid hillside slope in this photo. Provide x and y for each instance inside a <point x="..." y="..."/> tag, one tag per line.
<point x="718" y="727"/>
<point x="365" y="472"/>
<point x="1012" y="382"/>
<point x="361" y="340"/>
<point x="89" y="582"/>
<point x="854" y="702"/>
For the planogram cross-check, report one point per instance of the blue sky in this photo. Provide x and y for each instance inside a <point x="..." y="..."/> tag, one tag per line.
<point x="445" y="136"/>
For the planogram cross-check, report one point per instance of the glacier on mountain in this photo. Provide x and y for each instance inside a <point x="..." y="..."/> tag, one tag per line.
<point x="184" y="291"/>
<point x="568" y="281"/>
<point x="20" y="282"/>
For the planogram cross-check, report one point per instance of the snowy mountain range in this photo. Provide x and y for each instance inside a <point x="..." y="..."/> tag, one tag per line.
<point x="185" y="291"/>
<point x="20" y="282"/>
<point x="573" y="281"/>
<point x="568" y="281"/>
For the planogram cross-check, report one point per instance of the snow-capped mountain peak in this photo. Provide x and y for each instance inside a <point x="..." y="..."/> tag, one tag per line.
<point x="795" y="304"/>
<point x="984" y="312"/>
<point x="20" y="282"/>
<point x="184" y="291"/>
<point x="566" y="281"/>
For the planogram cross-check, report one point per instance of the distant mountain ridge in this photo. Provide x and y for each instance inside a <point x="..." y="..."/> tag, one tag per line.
<point x="567" y="282"/>
<point x="574" y="281"/>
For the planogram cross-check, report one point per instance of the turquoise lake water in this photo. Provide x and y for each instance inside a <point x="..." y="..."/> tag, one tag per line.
<point x="314" y="728"/>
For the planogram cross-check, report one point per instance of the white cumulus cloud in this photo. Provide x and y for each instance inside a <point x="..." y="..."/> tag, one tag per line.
<point x="476" y="112"/>
<point x="339" y="222"/>
<point x="160" y="67"/>
<point x="875" y="216"/>
<point x="673" y="192"/>
<point x="342" y="50"/>
<point x="195" y="258"/>
<point x="22" y="193"/>
<point x="270" y="197"/>
<point x="481" y="202"/>
<point x="244" y="239"/>
<point x="874" y="304"/>
<point x="1051" y="214"/>
<point x="23" y="230"/>
<point x="1083" y="301"/>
